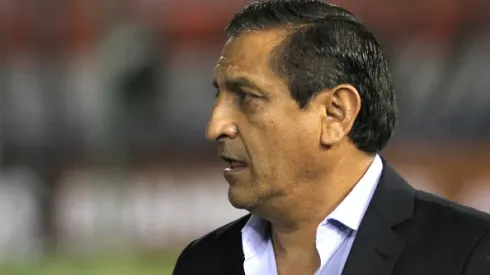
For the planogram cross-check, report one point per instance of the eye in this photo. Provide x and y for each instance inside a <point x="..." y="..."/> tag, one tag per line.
<point x="243" y="96"/>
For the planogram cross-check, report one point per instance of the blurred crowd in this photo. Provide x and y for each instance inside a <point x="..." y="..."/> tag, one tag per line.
<point x="87" y="83"/>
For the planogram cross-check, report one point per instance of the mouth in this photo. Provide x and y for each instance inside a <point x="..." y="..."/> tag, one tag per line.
<point x="234" y="164"/>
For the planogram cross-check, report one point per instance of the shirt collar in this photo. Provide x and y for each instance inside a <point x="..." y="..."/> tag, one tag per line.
<point x="352" y="209"/>
<point x="254" y="236"/>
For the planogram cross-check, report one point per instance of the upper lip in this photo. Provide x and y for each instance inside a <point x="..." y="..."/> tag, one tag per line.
<point x="230" y="159"/>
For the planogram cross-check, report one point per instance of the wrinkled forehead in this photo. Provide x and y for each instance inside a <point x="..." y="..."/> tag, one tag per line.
<point x="247" y="53"/>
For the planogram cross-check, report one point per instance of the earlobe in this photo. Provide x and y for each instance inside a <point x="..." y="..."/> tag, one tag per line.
<point x="332" y="132"/>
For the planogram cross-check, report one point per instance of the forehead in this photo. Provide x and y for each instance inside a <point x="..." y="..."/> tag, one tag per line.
<point x="248" y="54"/>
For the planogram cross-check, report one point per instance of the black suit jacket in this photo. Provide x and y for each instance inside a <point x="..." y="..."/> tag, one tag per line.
<point x="404" y="232"/>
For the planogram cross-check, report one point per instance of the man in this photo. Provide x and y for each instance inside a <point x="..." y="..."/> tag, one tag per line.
<point x="305" y="103"/>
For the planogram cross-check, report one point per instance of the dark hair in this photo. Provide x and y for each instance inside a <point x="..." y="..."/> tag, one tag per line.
<point x="328" y="46"/>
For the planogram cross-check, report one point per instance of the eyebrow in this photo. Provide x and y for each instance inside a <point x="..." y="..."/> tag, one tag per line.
<point x="239" y="82"/>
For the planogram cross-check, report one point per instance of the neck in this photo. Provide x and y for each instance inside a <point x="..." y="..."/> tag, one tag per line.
<point x="295" y="218"/>
<point x="295" y="251"/>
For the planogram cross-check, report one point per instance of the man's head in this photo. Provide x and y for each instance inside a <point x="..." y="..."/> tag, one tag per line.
<point x="301" y="84"/>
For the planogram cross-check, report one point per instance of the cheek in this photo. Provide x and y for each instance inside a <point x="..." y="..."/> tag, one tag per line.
<point x="280" y="141"/>
<point x="285" y="144"/>
<point x="299" y="145"/>
<point x="265" y="145"/>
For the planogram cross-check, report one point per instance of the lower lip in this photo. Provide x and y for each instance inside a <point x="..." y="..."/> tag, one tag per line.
<point x="234" y="170"/>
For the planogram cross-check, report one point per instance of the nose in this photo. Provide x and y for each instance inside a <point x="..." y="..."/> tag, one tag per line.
<point x="221" y="124"/>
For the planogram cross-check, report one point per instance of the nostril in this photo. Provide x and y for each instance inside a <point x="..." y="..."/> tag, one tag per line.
<point x="230" y="131"/>
<point x="221" y="138"/>
<point x="219" y="129"/>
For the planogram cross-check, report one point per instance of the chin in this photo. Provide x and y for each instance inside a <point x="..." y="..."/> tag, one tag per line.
<point x="241" y="199"/>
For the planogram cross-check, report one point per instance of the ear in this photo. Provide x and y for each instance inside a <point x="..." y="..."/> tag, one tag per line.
<point x="340" y="105"/>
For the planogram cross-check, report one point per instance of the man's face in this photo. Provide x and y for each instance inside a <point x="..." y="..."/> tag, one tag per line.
<point x="260" y="128"/>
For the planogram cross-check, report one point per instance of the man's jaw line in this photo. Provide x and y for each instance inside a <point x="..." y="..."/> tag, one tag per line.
<point x="310" y="202"/>
<point x="289" y="213"/>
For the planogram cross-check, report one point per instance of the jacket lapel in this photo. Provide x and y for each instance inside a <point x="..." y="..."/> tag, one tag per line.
<point x="375" y="250"/>
<point x="377" y="247"/>
<point x="231" y="256"/>
<point x="235" y="262"/>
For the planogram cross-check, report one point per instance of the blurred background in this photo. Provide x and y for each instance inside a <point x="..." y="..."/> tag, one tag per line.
<point x="104" y="168"/>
